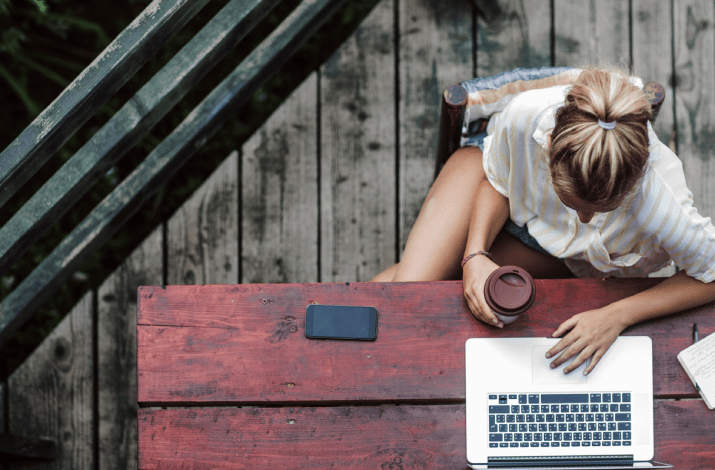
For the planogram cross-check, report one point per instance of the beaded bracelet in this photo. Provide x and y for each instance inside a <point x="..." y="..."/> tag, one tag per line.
<point x="468" y="257"/>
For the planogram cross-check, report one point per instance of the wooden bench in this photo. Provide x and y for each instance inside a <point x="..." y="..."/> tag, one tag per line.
<point x="226" y="377"/>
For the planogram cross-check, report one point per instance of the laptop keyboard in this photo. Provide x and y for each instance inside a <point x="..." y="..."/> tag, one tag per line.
<point x="559" y="419"/>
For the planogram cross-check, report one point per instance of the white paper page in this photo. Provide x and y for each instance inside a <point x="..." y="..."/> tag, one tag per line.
<point x="700" y="360"/>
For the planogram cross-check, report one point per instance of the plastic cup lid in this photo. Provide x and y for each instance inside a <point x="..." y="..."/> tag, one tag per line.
<point x="510" y="290"/>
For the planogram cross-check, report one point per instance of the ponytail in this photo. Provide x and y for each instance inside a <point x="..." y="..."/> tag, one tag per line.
<point x="600" y="142"/>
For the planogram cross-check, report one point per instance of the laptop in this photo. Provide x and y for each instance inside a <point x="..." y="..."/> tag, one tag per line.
<point x="523" y="414"/>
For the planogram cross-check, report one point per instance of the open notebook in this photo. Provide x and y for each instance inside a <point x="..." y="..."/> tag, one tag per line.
<point x="698" y="361"/>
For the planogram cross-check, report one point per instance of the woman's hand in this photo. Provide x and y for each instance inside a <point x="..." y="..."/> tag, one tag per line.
<point x="475" y="274"/>
<point x="592" y="333"/>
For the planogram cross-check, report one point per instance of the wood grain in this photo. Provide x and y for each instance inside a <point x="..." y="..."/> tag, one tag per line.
<point x="167" y="157"/>
<point x="694" y="23"/>
<point x="684" y="434"/>
<point x="388" y="437"/>
<point x="109" y="71"/>
<point x="16" y="448"/>
<point x="435" y="51"/>
<point x="246" y="344"/>
<point x="51" y="395"/>
<point x="653" y="62"/>
<point x="653" y="56"/>
<point x="592" y="32"/>
<point x="202" y="236"/>
<point x="519" y="36"/>
<point x="3" y="397"/>
<point x="116" y="348"/>
<point x="357" y="187"/>
<point x="147" y="107"/>
<point x="279" y="196"/>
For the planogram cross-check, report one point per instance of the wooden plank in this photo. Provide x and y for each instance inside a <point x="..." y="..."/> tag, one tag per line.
<point x="116" y="349"/>
<point x="684" y="434"/>
<point x="653" y="56"/>
<point x="363" y="437"/>
<point x="161" y="163"/>
<point x="51" y="395"/>
<point x="155" y="99"/>
<point x="592" y="32"/>
<point x="202" y="236"/>
<point x="3" y="404"/>
<point x="91" y="89"/>
<point x="280" y="193"/>
<point x="357" y="187"/>
<point x="695" y="98"/>
<point x="192" y="341"/>
<point x="425" y="437"/>
<point x="653" y="62"/>
<point x="519" y="36"/>
<point x="21" y="448"/>
<point x="435" y="52"/>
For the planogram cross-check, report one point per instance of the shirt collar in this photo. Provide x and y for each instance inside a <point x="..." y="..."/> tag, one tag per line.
<point x="547" y="121"/>
<point x="545" y="127"/>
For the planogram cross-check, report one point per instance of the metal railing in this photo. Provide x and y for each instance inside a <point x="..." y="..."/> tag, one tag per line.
<point x="93" y="88"/>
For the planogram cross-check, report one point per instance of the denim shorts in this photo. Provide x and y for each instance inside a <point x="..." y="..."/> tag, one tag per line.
<point x="476" y="140"/>
<point x="522" y="233"/>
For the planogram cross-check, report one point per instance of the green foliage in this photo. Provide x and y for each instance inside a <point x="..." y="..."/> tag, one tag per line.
<point x="41" y="5"/>
<point x="40" y="53"/>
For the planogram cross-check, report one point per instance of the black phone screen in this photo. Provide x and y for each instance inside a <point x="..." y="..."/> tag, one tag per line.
<point x="341" y="322"/>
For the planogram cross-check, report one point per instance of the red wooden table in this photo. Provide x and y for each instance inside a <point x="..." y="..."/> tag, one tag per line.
<point x="227" y="379"/>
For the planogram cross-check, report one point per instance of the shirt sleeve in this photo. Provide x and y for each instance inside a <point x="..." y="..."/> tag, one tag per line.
<point x="496" y="158"/>
<point x="671" y="218"/>
<point x="510" y="148"/>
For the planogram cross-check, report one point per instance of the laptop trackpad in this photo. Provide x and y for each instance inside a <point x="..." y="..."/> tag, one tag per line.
<point x="543" y="374"/>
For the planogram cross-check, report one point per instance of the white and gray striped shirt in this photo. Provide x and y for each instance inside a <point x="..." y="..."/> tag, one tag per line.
<point x="656" y="224"/>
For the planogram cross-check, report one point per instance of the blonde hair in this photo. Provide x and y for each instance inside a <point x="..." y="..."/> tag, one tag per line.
<point x="598" y="165"/>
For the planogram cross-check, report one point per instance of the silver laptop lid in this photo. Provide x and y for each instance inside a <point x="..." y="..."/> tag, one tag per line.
<point x="518" y="366"/>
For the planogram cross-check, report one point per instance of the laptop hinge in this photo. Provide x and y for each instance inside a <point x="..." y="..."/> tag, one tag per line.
<point x="561" y="461"/>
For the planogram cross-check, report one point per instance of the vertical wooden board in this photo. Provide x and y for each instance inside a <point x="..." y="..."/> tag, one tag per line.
<point x="279" y="189"/>
<point x="117" y="352"/>
<point x="358" y="162"/>
<point x="653" y="56"/>
<point x="202" y="236"/>
<point x="592" y="32"/>
<point x="435" y="52"/>
<point x="3" y="396"/>
<point x="653" y="62"/>
<point x="519" y="36"/>
<point x="51" y="395"/>
<point x="694" y="23"/>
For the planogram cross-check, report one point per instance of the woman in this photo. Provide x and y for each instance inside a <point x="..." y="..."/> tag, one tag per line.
<point x="570" y="180"/>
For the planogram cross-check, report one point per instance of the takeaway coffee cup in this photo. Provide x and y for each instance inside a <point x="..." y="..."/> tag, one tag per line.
<point x="509" y="291"/>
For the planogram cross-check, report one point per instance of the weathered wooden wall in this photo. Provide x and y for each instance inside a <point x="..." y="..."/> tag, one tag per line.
<point x="328" y="188"/>
<point x="51" y="396"/>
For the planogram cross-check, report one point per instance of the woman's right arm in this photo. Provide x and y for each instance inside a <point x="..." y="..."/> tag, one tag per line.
<point x="491" y="211"/>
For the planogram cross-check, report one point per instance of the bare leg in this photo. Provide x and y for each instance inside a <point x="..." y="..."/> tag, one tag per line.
<point x="386" y="275"/>
<point x="507" y="250"/>
<point x="437" y="240"/>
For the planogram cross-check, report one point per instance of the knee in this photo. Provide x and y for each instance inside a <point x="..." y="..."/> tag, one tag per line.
<point x="387" y="275"/>
<point x="466" y="159"/>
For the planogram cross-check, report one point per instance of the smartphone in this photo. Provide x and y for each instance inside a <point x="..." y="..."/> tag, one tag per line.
<point x="341" y="322"/>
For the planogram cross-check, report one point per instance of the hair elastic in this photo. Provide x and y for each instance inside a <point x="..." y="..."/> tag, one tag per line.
<point x="607" y="125"/>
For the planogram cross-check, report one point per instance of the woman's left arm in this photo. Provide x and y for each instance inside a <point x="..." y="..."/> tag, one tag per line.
<point x="592" y="332"/>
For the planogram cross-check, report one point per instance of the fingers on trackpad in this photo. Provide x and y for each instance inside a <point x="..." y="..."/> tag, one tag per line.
<point x="542" y="373"/>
